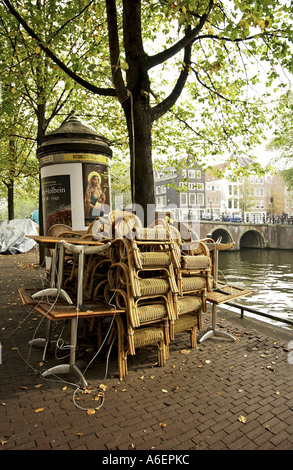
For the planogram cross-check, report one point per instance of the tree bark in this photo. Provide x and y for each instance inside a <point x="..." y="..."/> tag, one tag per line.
<point x="10" y="199"/>
<point x="41" y="112"/>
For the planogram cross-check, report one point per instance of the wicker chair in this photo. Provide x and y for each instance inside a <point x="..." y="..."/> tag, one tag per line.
<point x="195" y="272"/>
<point x="142" y="279"/>
<point x="189" y="309"/>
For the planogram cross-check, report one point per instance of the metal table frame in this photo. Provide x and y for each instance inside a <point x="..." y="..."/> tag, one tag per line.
<point x="77" y="248"/>
<point x="216" y="247"/>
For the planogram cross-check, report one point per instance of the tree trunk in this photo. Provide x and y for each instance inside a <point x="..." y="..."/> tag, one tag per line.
<point x="141" y="167"/>
<point x="137" y="110"/>
<point x="41" y="132"/>
<point x="10" y="199"/>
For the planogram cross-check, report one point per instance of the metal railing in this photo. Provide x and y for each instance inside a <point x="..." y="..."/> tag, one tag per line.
<point x="243" y="309"/>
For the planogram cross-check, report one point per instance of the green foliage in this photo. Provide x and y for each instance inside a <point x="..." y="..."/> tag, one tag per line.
<point x="288" y="178"/>
<point x="230" y="100"/>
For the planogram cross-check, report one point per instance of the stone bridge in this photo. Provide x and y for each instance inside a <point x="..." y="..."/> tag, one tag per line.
<point x="245" y="235"/>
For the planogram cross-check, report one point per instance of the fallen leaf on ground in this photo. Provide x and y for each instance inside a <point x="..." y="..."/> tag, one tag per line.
<point x="90" y="412"/>
<point x="39" y="409"/>
<point x="163" y="425"/>
<point x="164" y="391"/>
<point x="242" y="419"/>
<point x="185" y="351"/>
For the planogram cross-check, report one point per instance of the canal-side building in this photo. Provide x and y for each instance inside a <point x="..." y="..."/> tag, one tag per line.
<point x="181" y="192"/>
<point x="191" y="194"/>
<point x="254" y="199"/>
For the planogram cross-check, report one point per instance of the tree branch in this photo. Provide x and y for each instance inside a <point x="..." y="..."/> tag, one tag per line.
<point x="71" y="19"/>
<point x="186" y="40"/>
<point x="89" y="86"/>
<point x="117" y="78"/>
<point x="167" y="103"/>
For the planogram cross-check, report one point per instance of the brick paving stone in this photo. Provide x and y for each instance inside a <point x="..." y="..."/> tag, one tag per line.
<point x="207" y="389"/>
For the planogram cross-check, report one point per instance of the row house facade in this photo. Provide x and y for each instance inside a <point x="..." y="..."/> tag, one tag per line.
<point x="182" y="193"/>
<point x="256" y="199"/>
<point x="193" y="195"/>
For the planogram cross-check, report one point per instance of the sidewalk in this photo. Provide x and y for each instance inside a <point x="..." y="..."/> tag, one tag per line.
<point x="224" y="395"/>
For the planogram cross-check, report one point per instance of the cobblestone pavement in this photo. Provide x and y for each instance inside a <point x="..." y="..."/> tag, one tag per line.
<point x="223" y="395"/>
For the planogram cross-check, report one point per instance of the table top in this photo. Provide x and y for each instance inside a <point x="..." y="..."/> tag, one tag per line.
<point x="229" y="292"/>
<point x="67" y="312"/>
<point x="62" y="311"/>
<point x="51" y="241"/>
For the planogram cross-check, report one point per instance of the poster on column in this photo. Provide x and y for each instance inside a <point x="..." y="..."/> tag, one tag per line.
<point x="56" y="201"/>
<point x="96" y="191"/>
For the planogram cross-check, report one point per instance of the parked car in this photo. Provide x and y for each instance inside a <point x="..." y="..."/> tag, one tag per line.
<point x="230" y="218"/>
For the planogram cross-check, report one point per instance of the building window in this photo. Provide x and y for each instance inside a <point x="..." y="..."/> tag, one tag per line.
<point x="200" y="199"/>
<point x="191" y="173"/>
<point x="192" y="199"/>
<point x="183" y="199"/>
<point x="198" y="174"/>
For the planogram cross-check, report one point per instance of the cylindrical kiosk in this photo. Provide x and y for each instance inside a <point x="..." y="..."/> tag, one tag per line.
<point x="75" y="176"/>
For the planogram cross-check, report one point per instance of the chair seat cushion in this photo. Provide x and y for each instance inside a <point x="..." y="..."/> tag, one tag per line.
<point x="153" y="286"/>
<point x="185" y="322"/>
<point x="188" y="303"/>
<point x="147" y="336"/>
<point x="196" y="262"/>
<point x="155" y="259"/>
<point x="192" y="283"/>
<point x="151" y="312"/>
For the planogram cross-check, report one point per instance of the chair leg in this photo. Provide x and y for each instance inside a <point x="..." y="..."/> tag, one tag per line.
<point x="162" y="353"/>
<point x="193" y="337"/>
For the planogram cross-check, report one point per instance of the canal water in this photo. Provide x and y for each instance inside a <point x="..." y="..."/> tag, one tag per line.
<point x="268" y="274"/>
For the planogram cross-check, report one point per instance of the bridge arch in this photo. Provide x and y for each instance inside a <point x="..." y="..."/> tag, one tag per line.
<point x="251" y="239"/>
<point x="221" y="233"/>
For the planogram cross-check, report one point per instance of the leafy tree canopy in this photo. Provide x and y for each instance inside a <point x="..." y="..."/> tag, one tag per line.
<point x="195" y="78"/>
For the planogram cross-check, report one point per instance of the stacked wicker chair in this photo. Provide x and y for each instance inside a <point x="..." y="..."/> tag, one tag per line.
<point x="159" y="281"/>
<point x="158" y="274"/>
<point x="193" y="277"/>
<point x="143" y="282"/>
